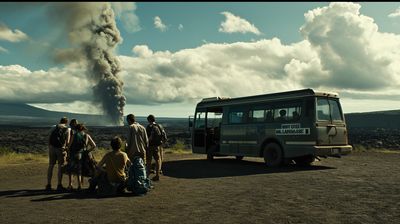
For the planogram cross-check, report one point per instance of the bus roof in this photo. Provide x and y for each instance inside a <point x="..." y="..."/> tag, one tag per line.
<point x="219" y="101"/>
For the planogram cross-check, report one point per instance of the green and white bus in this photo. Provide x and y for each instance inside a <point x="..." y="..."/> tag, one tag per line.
<point x="288" y="126"/>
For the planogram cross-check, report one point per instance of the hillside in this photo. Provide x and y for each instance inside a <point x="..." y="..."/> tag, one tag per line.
<point x="377" y="119"/>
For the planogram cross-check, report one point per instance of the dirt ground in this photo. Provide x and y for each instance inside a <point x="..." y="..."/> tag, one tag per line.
<point x="359" y="188"/>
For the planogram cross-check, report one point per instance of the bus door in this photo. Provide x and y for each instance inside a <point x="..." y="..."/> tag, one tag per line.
<point x="213" y="130"/>
<point x="199" y="132"/>
<point x="331" y="127"/>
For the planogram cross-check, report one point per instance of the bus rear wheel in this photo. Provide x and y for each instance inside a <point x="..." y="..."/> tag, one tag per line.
<point x="273" y="155"/>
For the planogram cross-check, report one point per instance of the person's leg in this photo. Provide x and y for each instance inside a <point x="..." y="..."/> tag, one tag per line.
<point x="69" y="181"/>
<point x="156" y="155"/>
<point x="61" y="157"/>
<point x="52" y="162"/>
<point x="148" y="160"/>
<point x="161" y="158"/>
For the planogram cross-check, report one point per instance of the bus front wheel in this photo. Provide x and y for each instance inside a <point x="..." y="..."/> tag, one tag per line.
<point x="273" y="155"/>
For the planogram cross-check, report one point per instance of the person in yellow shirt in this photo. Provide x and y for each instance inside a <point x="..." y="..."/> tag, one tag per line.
<point x="115" y="163"/>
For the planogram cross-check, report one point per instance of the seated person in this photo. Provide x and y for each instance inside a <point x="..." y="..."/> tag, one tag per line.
<point x="296" y="115"/>
<point x="282" y="115"/>
<point x="116" y="162"/>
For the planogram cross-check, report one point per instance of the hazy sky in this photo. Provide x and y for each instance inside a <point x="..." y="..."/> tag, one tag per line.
<point x="174" y="54"/>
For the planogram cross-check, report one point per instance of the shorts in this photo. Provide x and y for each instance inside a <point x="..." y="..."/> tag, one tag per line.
<point x="57" y="155"/>
<point x="153" y="152"/>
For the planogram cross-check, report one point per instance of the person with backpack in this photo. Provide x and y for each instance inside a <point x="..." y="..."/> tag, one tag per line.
<point x="111" y="179"/>
<point x="157" y="137"/>
<point x="80" y="143"/>
<point x="58" y="143"/>
<point x="137" y="140"/>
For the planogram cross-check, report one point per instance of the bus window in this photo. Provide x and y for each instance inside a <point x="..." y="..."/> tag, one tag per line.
<point x="200" y="120"/>
<point x="269" y="115"/>
<point x="236" y="117"/>
<point x="335" y="110"/>
<point x="323" y="113"/>
<point x="213" y="119"/>
<point x="257" y="115"/>
<point x="289" y="113"/>
<point x="294" y="113"/>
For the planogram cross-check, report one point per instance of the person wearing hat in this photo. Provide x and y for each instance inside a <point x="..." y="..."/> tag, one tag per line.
<point x="80" y="142"/>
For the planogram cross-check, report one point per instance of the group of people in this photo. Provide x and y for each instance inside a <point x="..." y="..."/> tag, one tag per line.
<point x="71" y="148"/>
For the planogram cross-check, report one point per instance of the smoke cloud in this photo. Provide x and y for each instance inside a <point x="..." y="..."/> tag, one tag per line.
<point x="93" y="32"/>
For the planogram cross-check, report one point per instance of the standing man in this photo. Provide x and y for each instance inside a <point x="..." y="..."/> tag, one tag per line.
<point x="156" y="136"/>
<point x="58" y="143"/>
<point x="137" y="141"/>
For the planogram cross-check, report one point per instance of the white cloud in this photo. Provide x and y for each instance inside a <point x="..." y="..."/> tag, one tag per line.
<point x="159" y="24"/>
<point x="142" y="51"/>
<point x="11" y="35"/>
<point x="395" y="14"/>
<point x="180" y="27"/>
<point x="125" y="11"/>
<point x="235" y="24"/>
<point x="3" y="50"/>
<point x="342" y="51"/>
<point x="18" y="84"/>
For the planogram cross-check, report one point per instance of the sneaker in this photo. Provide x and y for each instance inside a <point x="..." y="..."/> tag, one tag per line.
<point x="156" y="178"/>
<point x="161" y="172"/>
<point x="48" y="187"/>
<point x="60" y="188"/>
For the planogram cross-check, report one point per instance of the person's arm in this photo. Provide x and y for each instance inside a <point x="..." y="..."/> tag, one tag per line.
<point x="68" y="137"/>
<point x="90" y="142"/>
<point x="129" y="139"/>
<point x="146" y="139"/>
<point x="101" y="163"/>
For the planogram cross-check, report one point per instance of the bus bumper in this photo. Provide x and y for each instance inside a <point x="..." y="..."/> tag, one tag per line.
<point x="332" y="150"/>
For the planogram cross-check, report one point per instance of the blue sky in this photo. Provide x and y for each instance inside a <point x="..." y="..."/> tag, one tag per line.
<point x="181" y="54"/>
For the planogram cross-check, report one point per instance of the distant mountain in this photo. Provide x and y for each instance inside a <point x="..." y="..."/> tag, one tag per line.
<point x="376" y="119"/>
<point x="14" y="114"/>
<point x="26" y="115"/>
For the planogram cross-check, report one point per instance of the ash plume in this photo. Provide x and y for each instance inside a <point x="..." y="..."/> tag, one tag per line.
<point x="92" y="29"/>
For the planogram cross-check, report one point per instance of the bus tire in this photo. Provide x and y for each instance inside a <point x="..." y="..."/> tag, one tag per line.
<point x="305" y="160"/>
<point x="273" y="155"/>
<point x="239" y="157"/>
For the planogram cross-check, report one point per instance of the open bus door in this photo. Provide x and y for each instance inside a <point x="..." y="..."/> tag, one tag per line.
<point x="206" y="131"/>
<point x="199" y="132"/>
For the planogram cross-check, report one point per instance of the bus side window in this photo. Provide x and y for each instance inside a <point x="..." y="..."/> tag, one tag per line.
<point x="236" y="117"/>
<point x="269" y="117"/>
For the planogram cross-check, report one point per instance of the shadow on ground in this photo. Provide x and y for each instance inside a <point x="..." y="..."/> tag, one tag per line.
<point x="54" y="195"/>
<point x="193" y="169"/>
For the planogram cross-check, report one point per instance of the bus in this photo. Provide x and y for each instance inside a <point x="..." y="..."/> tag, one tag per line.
<point x="298" y="126"/>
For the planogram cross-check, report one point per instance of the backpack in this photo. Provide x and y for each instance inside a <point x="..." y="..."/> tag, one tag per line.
<point x="58" y="137"/>
<point x="158" y="135"/>
<point x="79" y="142"/>
<point x="138" y="182"/>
